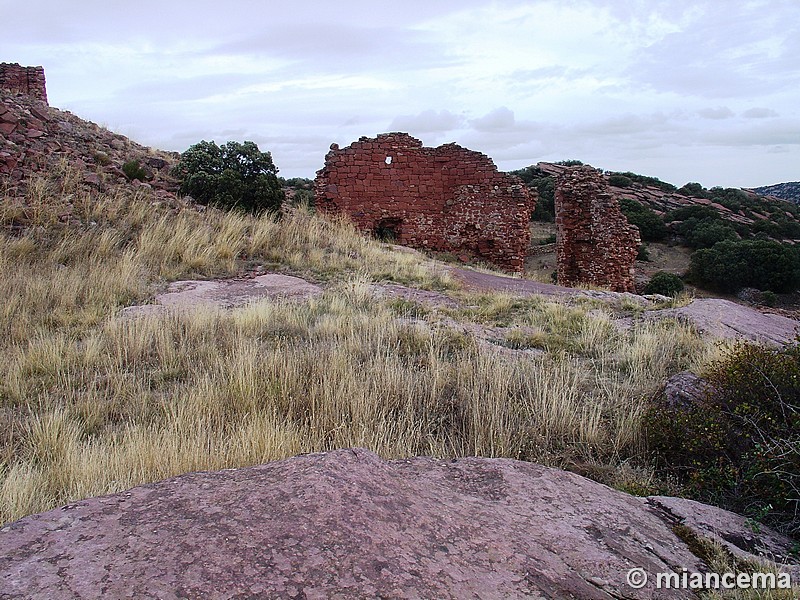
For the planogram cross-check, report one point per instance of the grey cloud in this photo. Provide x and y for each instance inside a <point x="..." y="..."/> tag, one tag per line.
<point x="759" y="113"/>
<point x="762" y="133"/>
<point x="428" y="121"/>
<point x="721" y="112"/>
<point x="500" y="119"/>
<point x="342" y="46"/>
<point x="190" y="88"/>
<point x="721" y="53"/>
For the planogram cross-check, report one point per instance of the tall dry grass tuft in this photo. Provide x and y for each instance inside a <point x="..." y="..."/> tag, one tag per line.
<point x="92" y="403"/>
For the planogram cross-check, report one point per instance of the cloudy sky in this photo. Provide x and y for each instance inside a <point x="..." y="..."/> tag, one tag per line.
<point x="694" y="90"/>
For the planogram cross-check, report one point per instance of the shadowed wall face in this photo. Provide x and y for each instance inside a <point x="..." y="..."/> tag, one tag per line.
<point x="595" y="244"/>
<point x="447" y="199"/>
<point x="28" y="81"/>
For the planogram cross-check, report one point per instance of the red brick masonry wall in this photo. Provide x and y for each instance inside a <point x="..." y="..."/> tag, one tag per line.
<point x="595" y="244"/>
<point x="448" y="198"/>
<point x="23" y="80"/>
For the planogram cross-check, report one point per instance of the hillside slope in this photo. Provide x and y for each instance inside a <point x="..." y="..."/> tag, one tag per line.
<point x="36" y="138"/>
<point x="789" y="191"/>
<point x="661" y="199"/>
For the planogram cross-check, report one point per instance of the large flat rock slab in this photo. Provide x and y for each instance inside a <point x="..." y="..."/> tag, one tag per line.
<point x="227" y="293"/>
<point x="726" y="319"/>
<point x="347" y="524"/>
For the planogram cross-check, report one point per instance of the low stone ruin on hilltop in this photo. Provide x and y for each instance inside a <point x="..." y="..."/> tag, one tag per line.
<point x="455" y="200"/>
<point x="27" y="81"/>
<point x="448" y="198"/>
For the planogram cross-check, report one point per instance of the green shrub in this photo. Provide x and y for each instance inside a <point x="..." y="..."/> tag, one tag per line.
<point x="695" y="190"/>
<point x="545" y="186"/>
<point x="233" y="175"/>
<point x="666" y="284"/>
<point x="739" y="447"/>
<point x="643" y="180"/>
<point x="731" y="265"/>
<point x="769" y="298"/>
<point x="707" y="233"/>
<point x="619" y="180"/>
<point x="134" y="170"/>
<point x="651" y="226"/>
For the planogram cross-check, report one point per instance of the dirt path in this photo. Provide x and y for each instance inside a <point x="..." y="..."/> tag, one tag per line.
<point x="475" y="280"/>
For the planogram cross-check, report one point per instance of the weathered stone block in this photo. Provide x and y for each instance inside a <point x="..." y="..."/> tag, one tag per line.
<point x="28" y="81"/>
<point x="595" y="244"/>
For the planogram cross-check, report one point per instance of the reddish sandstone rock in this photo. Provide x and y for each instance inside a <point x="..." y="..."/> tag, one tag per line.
<point x="448" y="198"/>
<point x="347" y="524"/>
<point x="37" y="139"/>
<point x="595" y="244"/>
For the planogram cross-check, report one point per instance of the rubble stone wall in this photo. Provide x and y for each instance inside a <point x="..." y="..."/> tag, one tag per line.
<point x="28" y="81"/>
<point x="595" y="244"/>
<point x="447" y="199"/>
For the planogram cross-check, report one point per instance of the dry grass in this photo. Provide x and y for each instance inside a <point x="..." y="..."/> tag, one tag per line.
<point x="92" y="403"/>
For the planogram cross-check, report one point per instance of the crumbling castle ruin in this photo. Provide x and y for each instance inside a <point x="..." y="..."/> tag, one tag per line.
<point x="28" y="81"/>
<point x="595" y="244"/>
<point x="448" y="198"/>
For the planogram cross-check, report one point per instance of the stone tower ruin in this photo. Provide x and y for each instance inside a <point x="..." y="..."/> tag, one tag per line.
<point x="447" y="199"/>
<point x="28" y="81"/>
<point x="595" y="244"/>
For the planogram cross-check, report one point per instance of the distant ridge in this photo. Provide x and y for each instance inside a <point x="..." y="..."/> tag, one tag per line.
<point x="785" y="191"/>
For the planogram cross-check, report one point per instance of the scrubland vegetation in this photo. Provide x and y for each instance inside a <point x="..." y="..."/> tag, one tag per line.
<point x="727" y="255"/>
<point x="92" y="401"/>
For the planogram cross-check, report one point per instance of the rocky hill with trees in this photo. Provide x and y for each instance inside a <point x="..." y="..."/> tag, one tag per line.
<point x="739" y="238"/>
<point x="789" y="191"/>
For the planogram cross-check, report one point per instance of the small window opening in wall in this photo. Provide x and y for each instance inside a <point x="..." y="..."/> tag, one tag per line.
<point x="388" y="230"/>
<point x="388" y="160"/>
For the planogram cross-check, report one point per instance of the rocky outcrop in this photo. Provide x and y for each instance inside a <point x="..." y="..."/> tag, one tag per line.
<point x="226" y="293"/>
<point x="448" y="198"/>
<point x="38" y="139"/>
<point x="726" y="319"/>
<point x="659" y="200"/>
<point x="789" y="191"/>
<point x="595" y="244"/>
<point x="348" y="524"/>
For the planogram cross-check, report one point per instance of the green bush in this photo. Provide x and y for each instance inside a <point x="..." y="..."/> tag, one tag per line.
<point x="666" y="284"/>
<point x="233" y="175"/>
<point x="731" y="265"/>
<point x="651" y="226"/>
<point x="769" y="298"/>
<point x="740" y="446"/>
<point x="707" y="233"/>
<point x="642" y="180"/>
<point x="694" y="190"/>
<point x="545" y="186"/>
<point x="134" y="170"/>
<point x="619" y="180"/>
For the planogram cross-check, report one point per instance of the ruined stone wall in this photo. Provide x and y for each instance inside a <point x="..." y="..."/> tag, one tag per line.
<point x="595" y="244"/>
<point x="448" y="198"/>
<point x="28" y="81"/>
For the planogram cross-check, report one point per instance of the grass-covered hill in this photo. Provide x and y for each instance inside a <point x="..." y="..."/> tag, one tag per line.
<point x="94" y="400"/>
